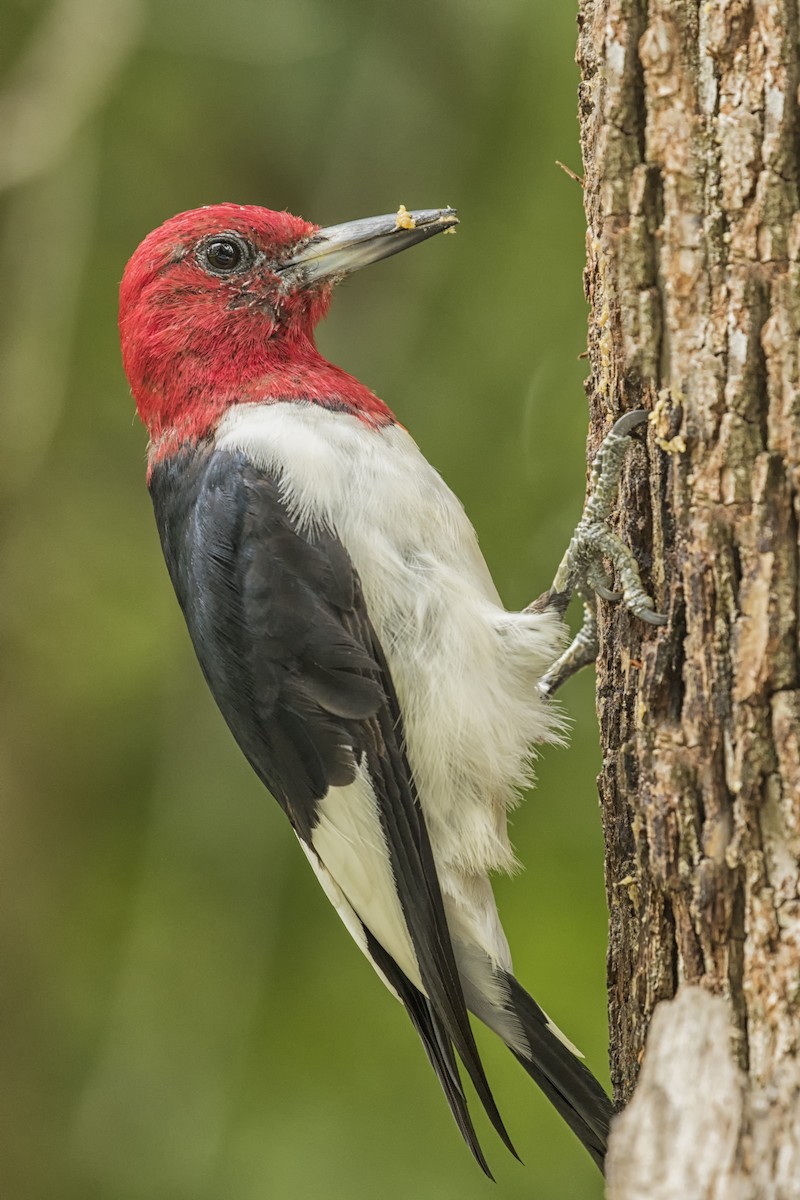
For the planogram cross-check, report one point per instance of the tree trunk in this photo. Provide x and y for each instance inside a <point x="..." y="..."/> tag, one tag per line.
<point x="689" y="126"/>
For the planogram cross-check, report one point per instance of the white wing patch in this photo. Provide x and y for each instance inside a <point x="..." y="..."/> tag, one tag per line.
<point x="349" y="842"/>
<point x="348" y="917"/>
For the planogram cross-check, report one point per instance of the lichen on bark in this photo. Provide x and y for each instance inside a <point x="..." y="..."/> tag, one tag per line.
<point x="690" y="136"/>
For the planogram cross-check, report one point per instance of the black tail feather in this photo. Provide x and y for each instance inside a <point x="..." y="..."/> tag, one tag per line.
<point x="568" y="1084"/>
<point x="417" y="883"/>
<point x="438" y="1046"/>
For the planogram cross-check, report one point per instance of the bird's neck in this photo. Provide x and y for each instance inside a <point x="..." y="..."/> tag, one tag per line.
<point x="187" y="407"/>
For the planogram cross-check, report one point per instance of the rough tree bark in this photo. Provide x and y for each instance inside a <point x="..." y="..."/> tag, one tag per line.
<point x="689" y="125"/>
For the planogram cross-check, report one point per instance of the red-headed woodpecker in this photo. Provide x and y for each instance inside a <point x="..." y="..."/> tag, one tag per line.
<point x="346" y="622"/>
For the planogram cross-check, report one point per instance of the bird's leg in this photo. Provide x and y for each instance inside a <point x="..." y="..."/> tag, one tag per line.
<point x="582" y="572"/>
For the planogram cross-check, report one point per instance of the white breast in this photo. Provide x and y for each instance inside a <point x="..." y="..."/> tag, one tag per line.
<point x="465" y="669"/>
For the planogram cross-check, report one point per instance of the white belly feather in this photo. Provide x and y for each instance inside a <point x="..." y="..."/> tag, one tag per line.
<point x="465" y="669"/>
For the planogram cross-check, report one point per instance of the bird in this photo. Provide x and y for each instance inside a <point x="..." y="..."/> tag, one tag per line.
<point x="347" y="624"/>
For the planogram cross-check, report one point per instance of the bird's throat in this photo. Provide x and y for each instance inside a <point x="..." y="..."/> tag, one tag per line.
<point x="195" y="403"/>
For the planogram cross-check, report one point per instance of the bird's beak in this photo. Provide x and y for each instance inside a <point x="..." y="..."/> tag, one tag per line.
<point x="338" y="250"/>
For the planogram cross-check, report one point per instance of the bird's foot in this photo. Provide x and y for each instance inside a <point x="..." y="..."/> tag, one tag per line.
<point x="582" y="569"/>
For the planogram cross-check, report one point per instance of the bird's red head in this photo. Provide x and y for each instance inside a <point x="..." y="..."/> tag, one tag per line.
<point x="218" y="307"/>
<point x="206" y="319"/>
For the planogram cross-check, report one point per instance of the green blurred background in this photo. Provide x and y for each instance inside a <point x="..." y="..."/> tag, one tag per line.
<point x="182" y="1014"/>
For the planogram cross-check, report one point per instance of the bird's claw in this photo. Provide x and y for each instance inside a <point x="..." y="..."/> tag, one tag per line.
<point x="581" y="570"/>
<point x="605" y="593"/>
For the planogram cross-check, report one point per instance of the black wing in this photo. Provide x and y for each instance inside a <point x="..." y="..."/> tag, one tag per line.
<point x="280" y="627"/>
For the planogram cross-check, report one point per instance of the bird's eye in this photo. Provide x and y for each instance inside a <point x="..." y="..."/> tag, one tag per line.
<point x="225" y="254"/>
